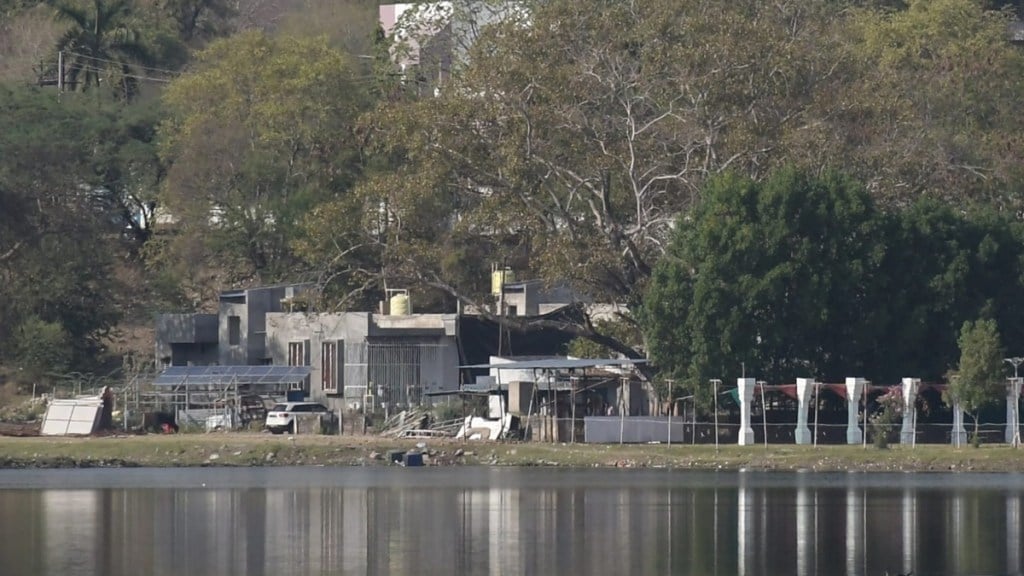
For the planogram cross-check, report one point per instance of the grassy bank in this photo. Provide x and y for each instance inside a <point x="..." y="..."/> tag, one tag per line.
<point x="263" y="450"/>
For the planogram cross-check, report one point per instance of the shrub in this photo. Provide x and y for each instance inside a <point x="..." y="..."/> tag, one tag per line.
<point x="41" y="347"/>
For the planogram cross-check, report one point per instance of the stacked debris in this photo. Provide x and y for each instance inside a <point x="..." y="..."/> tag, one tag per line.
<point x="19" y="428"/>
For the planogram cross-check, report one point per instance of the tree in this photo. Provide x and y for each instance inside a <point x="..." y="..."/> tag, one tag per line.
<point x="198" y="20"/>
<point x="101" y="45"/>
<point x="943" y="267"/>
<point x="568" y="142"/>
<point x="780" y="276"/>
<point x="258" y="134"/>
<point x="56" y="246"/>
<point x="42" y="347"/>
<point x="127" y="172"/>
<point x="981" y="377"/>
<point x="926" y="108"/>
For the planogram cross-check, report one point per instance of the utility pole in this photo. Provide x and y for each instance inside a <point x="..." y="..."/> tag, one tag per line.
<point x="1015" y="361"/>
<point x="764" y="412"/>
<point x="60" y="74"/>
<point x="714" y="408"/>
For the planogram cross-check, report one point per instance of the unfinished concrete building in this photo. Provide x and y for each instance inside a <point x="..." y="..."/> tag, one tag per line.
<point x="234" y="336"/>
<point x="364" y="360"/>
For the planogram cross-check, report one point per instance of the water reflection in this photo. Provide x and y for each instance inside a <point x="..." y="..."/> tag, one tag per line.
<point x="394" y="521"/>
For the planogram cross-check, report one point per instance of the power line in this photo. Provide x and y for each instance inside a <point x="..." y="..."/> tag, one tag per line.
<point x="122" y="63"/>
<point x="87" y="68"/>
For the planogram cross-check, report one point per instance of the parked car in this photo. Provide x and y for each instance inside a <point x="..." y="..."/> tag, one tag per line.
<point x="281" y="418"/>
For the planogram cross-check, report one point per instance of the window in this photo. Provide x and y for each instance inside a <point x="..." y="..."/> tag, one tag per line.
<point x="298" y="353"/>
<point x="513" y="310"/>
<point x="332" y="365"/>
<point x="234" y="330"/>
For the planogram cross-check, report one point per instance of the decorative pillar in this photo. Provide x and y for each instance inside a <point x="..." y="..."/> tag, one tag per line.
<point x="959" y="435"/>
<point x="908" y="431"/>
<point x="1012" y="397"/>
<point x="854" y="388"/>
<point x="746" y="395"/>
<point x="804" y="387"/>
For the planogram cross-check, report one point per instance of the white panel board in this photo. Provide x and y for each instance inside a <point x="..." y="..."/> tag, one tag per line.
<point x="71" y="417"/>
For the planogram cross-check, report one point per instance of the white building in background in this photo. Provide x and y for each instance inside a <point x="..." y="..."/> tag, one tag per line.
<point x="430" y="37"/>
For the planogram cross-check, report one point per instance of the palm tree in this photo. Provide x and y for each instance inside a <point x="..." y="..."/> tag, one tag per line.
<point x="100" y="45"/>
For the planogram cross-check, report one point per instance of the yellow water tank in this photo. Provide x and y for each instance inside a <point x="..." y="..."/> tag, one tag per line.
<point x="499" y="278"/>
<point x="400" y="305"/>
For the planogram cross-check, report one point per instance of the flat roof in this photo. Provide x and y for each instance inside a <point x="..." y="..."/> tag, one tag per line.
<point x="559" y="363"/>
<point x="220" y="375"/>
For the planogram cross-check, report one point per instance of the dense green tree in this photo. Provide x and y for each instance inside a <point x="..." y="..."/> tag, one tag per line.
<point x="981" y="377"/>
<point x="42" y="347"/>
<point x="798" y="276"/>
<point x="945" y="267"/>
<point x="56" y="245"/>
<point x="126" y="169"/>
<point x="780" y="276"/>
<point x="259" y="133"/>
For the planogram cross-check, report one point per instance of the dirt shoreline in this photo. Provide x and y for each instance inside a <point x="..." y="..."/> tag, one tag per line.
<point x="253" y="449"/>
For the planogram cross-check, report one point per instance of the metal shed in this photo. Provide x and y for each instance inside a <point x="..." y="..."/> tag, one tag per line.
<point x="216" y="396"/>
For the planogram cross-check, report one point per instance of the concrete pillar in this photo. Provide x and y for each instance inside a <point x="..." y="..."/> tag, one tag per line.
<point x="1012" y="397"/>
<point x="958" y="437"/>
<point x="746" y="394"/>
<point x="804" y="390"/>
<point x="854" y="388"/>
<point x="910" y="386"/>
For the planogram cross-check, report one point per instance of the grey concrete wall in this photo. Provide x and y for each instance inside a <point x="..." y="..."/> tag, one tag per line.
<point x="366" y="355"/>
<point x="193" y="354"/>
<point x="283" y="328"/>
<point x="632" y="430"/>
<point x="231" y="355"/>
<point x="184" y="338"/>
<point x="259" y="302"/>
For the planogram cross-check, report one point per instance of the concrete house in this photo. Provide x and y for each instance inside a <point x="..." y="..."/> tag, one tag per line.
<point x="363" y="360"/>
<point x="235" y="335"/>
<point x="355" y="359"/>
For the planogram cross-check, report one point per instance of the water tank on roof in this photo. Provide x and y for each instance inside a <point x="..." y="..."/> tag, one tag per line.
<point x="501" y="277"/>
<point x="400" y="305"/>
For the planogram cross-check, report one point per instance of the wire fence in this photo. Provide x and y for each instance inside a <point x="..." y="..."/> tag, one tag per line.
<point x="675" y="430"/>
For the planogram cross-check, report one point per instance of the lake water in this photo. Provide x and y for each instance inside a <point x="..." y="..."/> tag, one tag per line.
<point x="482" y="520"/>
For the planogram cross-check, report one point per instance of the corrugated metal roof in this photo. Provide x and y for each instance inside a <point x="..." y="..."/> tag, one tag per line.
<point x="220" y="375"/>
<point x="559" y="364"/>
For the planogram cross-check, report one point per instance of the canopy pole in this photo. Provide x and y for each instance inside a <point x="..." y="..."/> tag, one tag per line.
<point x="714" y="408"/>
<point x="764" y="414"/>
